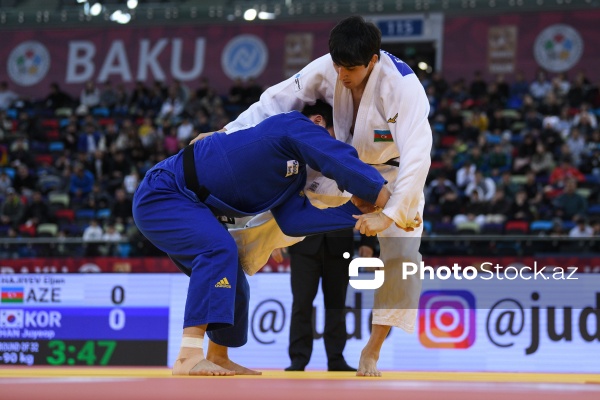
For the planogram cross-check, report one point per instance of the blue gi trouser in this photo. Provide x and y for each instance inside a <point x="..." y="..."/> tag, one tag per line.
<point x="177" y="223"/>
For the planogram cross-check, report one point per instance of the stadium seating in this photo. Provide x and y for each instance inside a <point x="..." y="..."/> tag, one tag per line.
<point x="47" y="230"/>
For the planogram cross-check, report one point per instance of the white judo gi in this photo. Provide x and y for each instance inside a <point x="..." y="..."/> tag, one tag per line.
<point x="391" y="124"/>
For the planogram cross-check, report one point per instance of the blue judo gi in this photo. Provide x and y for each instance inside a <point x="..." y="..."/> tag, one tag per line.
<point x="243" y="173"/>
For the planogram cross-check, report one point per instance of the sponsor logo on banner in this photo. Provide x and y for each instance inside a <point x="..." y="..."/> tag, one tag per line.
<point x="28" y="63"/>
<point x="558" y="48"/>
<point x="447" y="319"/>
<point x="245" y="56"/>
<point x="502" y="48"/>
<point x="12" y="295"/>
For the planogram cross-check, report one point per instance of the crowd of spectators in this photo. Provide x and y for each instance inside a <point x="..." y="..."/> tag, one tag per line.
<point x="521" y="156"/>
<point x="69" y="166"/>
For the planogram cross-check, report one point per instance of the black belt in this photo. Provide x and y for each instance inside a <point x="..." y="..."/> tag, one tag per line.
<point x="191" y="181"/>
<point x="391" y="162"/>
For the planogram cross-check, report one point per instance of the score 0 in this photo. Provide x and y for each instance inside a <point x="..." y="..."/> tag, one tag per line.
<point x="116" y="317"/>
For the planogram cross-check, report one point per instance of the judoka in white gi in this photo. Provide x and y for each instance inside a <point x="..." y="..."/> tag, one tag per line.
<point x="381" y="109"/>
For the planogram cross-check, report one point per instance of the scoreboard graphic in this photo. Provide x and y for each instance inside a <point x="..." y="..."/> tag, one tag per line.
<point x="84" y="320"/>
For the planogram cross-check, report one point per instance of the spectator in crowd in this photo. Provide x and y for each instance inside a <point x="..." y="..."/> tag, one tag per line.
<point x="10" y="250"/>
<point x="465" y="175"/>
<point x="576" y="145"/>
<point x="131" y="181"/>
<point x="520" y="208"/>
<point x="7" y="96"/>
<point x="485" y="187"/>
<point x="438" y="188"/>
<point x="236" y="92"/>
<point x="540" y="87"/>
<point x="561" y="85"/>
<point x="251" y="92"/>
<point x="202" y="89"/>
<point x="506" y="184"/>
<point x="20" y="154"/>
<point x="581" y="229"/>
<point x="118" y="166"/>
<point x="25" y="182"/>
<point x="81" y="182"/>
<point x="185" y="130"/>
<point x="170" y="142"/>
<point x="478" y="88"/>
<point x="585" y="120"/>
<point x="563" y="172"/>
<point x="5" y="183"/>
<point x="37" y="211"/>
<point x="108" y="96"/>
<point x="98" y="198"/>
<point x="542" y="162"/>
<point x="90" y="140"/>
<point x="576" y="94"/>
<point x="498" y="208"/>
<point x="596" y="227"/>
<point x="172" y="106"/>
<point x="499" y="160"/>
<point x="474" y="210"/>
<point x="92" y="235"/>
<point x="13" y="209"/>
<point x="520" y="87"/>
<point x="450" y="206"/>
<point x="111" y="237"/>
<point x="57" y="98"/>
<point x="121" y="208"/>
<point x="89" y="98"/>
<point x="570" y="204"/>
<point x="147" y="133"/>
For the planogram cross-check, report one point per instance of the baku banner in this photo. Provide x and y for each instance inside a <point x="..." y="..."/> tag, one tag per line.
<point x="33" y="59"/>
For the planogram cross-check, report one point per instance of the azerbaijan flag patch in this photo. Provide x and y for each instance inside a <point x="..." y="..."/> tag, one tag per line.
<point x="383" y="136"/>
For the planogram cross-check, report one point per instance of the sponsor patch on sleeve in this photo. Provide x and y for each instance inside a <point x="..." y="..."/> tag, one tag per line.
<point x="292" y="168"/>
<point x="297" y="83"/>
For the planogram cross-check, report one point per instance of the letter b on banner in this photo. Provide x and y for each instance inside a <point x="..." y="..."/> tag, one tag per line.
<point x="366" y="262"/>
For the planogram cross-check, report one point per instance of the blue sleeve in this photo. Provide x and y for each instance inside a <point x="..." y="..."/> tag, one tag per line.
<point x="298" y="217"/>
<point x="334" y="159"/>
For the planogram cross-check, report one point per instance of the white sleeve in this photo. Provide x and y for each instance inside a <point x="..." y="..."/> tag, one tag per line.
<point x="412" y="134"/>
<point x="313" y="82"/>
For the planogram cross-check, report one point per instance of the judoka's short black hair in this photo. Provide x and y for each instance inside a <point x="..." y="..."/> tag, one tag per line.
<point x="320" y="108"/>
<point x="353" y="41"/>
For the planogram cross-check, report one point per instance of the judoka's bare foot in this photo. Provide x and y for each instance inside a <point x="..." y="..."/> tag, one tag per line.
<point x="226" y="363"/>
<point x="367" y="366"/>
<point x="219" y="355"/>
<point x="199" y="366"/>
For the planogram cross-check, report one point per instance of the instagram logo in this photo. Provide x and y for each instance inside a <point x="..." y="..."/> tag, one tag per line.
<point x="447" y="319"/>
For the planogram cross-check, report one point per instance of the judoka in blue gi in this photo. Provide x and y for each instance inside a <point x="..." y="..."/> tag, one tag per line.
<point x="233" y="175"/>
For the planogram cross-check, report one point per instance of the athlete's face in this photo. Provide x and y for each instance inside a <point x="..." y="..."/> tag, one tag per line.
<point x="356" y="76"/>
